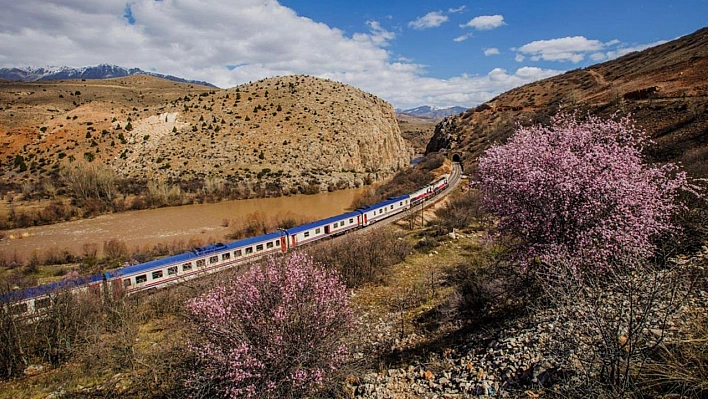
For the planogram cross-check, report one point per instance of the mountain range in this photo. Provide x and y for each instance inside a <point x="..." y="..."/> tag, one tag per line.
<point x="426" y="111"/>
<point x="102" y="71"/>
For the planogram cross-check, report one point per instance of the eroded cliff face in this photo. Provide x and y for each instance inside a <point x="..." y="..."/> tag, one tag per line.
<point x="284" y="132"/>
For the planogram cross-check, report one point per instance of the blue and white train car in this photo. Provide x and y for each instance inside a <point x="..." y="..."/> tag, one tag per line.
<point x="384" y="209"/>
<point x="332" y="226"/>
<point x="35" y="300"/>
<point x="198" y="261"/>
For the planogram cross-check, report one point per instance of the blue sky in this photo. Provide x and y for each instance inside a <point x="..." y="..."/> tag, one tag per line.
<point x="410" y="53"/>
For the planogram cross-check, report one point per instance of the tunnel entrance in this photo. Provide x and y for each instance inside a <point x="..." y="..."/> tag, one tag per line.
<point x="456" y="158"/>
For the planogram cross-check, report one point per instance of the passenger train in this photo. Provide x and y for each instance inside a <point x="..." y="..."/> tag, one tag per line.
<point x="158" y="273"/>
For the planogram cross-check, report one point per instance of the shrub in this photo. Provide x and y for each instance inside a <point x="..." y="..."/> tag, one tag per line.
<point x="363" y="258"/>
<point x="274" y="332"/>
<point x="579" y="190"/>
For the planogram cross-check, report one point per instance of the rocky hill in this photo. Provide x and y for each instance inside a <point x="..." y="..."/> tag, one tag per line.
<point x="283" y="132"/>
<point x="664" y="88"/>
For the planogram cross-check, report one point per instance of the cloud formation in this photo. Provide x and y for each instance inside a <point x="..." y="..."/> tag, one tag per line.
<point x="430" y="20"/>
<point x="485" y="22"/>
<point x="462" y="38"/>
<point x="491" y="51"/>
<point x="228" y="45"/>
<point x="574" y="49"/>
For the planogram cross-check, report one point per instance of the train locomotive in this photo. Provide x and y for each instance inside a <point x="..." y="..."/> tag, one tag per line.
<point x="162" y="272"/>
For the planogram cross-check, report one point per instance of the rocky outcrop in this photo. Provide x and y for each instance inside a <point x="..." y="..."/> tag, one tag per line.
<point x="446" y="135"/>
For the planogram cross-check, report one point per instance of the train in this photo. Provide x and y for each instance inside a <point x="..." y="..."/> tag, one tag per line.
<point x="174" y="269"/>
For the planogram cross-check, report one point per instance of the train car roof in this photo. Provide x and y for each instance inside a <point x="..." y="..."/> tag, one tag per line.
<point x="384" y="203"/>
<point x="309" y="226"/>
<point x="193" y="254"/>
<point x="46" y="289"/>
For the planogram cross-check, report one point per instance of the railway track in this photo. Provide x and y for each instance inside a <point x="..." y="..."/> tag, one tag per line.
<point x="179" y="268"/>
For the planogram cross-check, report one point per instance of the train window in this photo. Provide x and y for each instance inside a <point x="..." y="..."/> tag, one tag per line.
<point x="213" y="259"/>
<point x="391" y="207"/>
<point x="259" y="247"/>
<point x="172" y="270"/>
<point x="249" y="250"/>
<point x="401" y="203"/>
<point x="317" y="231"/>
<point x="157" y="274"/>
<point x="18" y="309"/>
<point x="334" y="226"/>
<point x="307" y="234"/>
<point x="187" y="267"/>
<point x="351" y="220"/>
<point x="269" y="245"/>
<point x="126" y="283"/>
<point x="141" y="279"/>
<point x="238" y="253"/>
<point x="380" y="211"/>
<point x="201" y="262"/>
<point x="277" y="243"/>
<point x="41" y="303"/>
<point x="226" y="256"/>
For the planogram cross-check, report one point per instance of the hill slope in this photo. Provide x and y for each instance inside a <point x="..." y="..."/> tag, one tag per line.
<point x="282" y="132"/>
<point x="665" y="88"/>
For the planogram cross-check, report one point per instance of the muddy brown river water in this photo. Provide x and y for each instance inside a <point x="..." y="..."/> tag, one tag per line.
<point x="167" y="225"/>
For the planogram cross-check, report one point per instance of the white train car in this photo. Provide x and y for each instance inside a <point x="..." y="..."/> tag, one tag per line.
<point x="382" y="210"/>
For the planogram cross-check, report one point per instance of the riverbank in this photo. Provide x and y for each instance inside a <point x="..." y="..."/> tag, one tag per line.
<point x="149" y="227"/>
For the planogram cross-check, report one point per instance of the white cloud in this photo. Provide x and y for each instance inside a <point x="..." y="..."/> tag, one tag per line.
<point x="378" y="35"/>
<point x="456" y="10"/>
<point x="491" y="51"/>
<point x="462" y="38"/>
<point x="461" y="90"/>
<point x="430" y="20"/>
<point x="519" y="58"/>
<point x="485" y="22"/>
<point x="571" y="49"/>
<point x="229" y="45"/>
<point x="575" y="48"/>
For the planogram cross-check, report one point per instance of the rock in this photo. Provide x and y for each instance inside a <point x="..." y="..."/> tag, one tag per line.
<point x="34" y="369"/>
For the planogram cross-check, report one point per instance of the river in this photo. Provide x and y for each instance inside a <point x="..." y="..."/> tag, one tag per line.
<point x="145" y="228"/>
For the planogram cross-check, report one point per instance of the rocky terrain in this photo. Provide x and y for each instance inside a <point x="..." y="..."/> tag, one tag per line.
<point x="664" y="89"/>
<point x="282" y="132"/>
<point x="417" y="130"/>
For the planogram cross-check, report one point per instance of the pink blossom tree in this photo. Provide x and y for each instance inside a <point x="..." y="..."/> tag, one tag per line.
<point x="586" y="211"/>
<point x="580" y="191"/>
<point x="274" y="332"/>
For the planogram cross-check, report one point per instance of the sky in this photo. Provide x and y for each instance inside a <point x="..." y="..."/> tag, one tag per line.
<point x="410" y="53"/>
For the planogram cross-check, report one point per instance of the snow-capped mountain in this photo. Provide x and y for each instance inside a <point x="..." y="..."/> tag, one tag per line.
<point x="103" y="71"/>
<point x="427" y="111"/>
